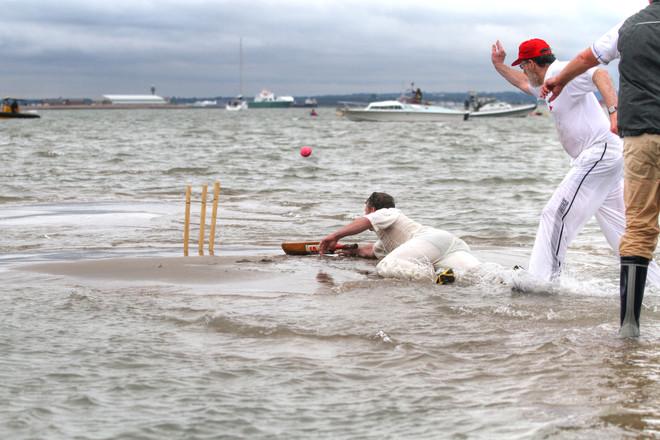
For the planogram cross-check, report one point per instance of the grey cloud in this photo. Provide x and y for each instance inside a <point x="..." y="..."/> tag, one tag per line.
<point x="294" y="47"/>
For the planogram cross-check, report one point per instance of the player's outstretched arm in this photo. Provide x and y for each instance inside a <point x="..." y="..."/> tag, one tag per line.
<point x="584" y="61"/>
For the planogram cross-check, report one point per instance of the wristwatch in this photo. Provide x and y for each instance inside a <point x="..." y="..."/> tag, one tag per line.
<point x="611" y="109"/>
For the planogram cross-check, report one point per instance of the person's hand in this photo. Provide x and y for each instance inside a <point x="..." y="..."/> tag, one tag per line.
<point x="553" y="86"/>
<point x="614" y="128"/>
<point x="366" y="251"/>
<point x="327" y="244"/>
<point x="497" y="54"/>
<point x="354" y="252"/>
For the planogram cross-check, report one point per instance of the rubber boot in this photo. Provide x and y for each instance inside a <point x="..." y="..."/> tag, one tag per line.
<point x="633" y="281"/>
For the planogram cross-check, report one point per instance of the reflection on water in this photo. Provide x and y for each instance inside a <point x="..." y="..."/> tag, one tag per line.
<point x="635" y="371"/>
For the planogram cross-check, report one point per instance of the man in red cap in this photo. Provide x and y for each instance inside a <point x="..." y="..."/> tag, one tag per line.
<point x="636" y="41"/>
<point x="594" y="184"/>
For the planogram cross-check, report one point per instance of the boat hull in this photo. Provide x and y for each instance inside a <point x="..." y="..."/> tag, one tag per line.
<point x="236" y="107"/>
<point x="395" y="111"/>
<point x="276" y="104"/>
<point x="9" y="115"/>
<point x="515" y="112"/>
<point x="402" y="115"/>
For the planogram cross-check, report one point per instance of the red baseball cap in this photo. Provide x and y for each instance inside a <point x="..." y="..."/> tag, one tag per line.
<point x="531" y="49"/>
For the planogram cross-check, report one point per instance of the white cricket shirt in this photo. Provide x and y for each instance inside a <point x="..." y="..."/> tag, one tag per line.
<point x="393" y="229"/>
<point x="579" y="117"/>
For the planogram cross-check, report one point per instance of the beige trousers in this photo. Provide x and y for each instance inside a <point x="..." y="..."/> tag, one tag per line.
<point x="641" y="194"/>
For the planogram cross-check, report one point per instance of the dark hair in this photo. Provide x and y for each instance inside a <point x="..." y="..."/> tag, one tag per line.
<point x="378" y="200"/>
<point x="544" y="60"/>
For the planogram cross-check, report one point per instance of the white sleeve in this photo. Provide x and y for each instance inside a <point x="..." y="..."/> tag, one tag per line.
<point x="383" y="218"/>
<point x="605" y="48"/>
<point x="583" y="83"/>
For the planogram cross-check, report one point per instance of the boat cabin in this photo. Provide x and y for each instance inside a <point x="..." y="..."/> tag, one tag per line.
<point x="385" y="105"/>
<point x="10" y="105"/>
<point x="11" y="109"/>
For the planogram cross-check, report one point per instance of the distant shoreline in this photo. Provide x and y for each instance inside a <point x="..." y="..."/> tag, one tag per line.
<point x="140" y="107"/>
<point x="119" y="107"/>
<point x="175" y="102"/>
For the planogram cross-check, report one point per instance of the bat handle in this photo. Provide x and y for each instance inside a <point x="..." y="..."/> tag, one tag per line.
<point x="351" y="246"/>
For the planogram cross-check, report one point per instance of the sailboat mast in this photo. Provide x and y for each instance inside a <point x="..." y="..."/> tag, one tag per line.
<point x="240" y="64"/>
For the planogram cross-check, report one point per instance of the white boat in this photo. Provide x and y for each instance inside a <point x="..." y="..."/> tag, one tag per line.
<point x="394" y="111"/>
<point x="205" y="103"/>
<point x="502" y="109"/>
<point x="237" y="104"/>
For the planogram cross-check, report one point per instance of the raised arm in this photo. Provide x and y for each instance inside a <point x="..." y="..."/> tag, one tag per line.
<point x="358" y="225"/>
<point x="514" y="76"/>
<point x="604" y="84"/>
<point x="584" y="61"/>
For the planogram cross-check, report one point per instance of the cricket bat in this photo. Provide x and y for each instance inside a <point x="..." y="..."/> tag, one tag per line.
<point x="310" y="247"/>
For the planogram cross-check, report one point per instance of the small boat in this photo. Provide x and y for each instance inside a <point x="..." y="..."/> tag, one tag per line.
<point x="11" y="109"/>
<point x="396" y="111"/>
<point x="392" y="111"/>
<point x="502" y="109"/>
<point x="409" y="108"/>
<point x="307" y="103"/>
<point x="205" y="103"/>
<point x="237" y="104"/>
<point x="488" y="107"/>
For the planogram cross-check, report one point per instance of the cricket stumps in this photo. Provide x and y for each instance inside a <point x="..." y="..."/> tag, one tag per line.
<point x="202" y="220"/>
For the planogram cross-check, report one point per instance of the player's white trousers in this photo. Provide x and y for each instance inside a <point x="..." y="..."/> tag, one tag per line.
<point x="429" y="251"/>
<point x="593" y="186"/>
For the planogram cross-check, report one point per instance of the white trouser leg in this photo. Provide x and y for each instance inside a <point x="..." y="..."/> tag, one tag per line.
<point x="459" y="261"/>
<point x="579" y="196"/>
<point x="611" y="217"/>
<point x="412" y="260"/>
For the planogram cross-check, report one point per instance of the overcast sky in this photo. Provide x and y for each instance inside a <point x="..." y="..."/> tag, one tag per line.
<point x="87" y="48"/>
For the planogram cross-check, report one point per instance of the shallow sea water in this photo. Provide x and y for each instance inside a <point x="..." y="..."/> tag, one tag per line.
<point x="313" y="347"/>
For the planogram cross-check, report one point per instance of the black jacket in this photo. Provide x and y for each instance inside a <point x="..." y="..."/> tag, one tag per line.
<point x="639" y="71"/>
